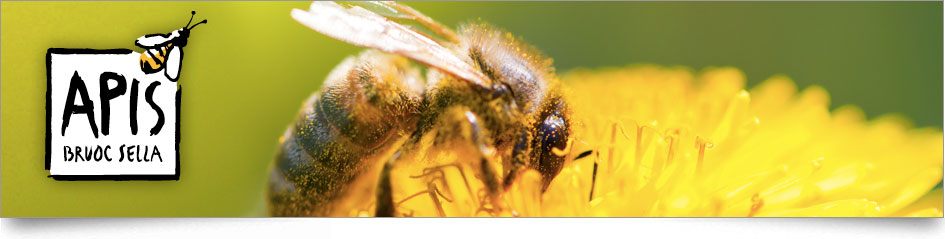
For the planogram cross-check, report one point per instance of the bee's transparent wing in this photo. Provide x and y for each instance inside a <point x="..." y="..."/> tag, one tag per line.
<point x="361" y="27"/>
<point x="409" y="17"/>
<point x="172" y="65"/>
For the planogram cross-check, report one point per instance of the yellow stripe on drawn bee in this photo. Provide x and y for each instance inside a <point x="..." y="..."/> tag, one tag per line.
<point x="165" y="51"/>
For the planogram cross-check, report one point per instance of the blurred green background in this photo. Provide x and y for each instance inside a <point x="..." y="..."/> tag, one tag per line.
<point x="247" y="71"/>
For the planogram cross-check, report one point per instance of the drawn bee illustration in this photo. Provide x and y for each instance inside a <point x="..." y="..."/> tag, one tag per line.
<point x="165" y="51"/>
<point x="486" y="96"/>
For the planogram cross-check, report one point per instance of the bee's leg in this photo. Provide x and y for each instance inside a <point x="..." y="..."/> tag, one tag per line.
<point x="520" y="155"/>
<point x="438" y="173"/>
<point x="385" y="195"/>
<point x="436" y="200"/>
<point x="457" y="128"/>
<point x="460" y="129"/>
<point x="434" y="193"/>
<point x="411" y="197"/>
<point x="385" y="201"/>
<point x="482" y="195"/>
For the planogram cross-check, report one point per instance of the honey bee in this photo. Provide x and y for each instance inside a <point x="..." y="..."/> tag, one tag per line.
<point x="165" y="51"/>
<point x="486" y="95"/>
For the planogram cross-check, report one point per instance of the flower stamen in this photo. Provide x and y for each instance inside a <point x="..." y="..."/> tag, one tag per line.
<point x="593" y="181"/>
<point x="702" y="144"/>
<point x="610" y="153"/>
<point x="756" y="203"/>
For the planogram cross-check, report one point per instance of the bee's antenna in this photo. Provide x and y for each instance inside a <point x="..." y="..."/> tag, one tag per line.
<point x="195" y="25"/>
<point x="192" y="13"/>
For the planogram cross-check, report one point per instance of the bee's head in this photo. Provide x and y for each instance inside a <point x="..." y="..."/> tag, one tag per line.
<point x="517" y="73"/>
<point x="522" y="80"/>
<point x="517" y="70"/>
<point x="184" y="32"/>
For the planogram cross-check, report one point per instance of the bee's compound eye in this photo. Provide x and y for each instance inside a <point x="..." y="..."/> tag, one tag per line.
<point x="498" y="90"/>
<point x="552" y="133"/>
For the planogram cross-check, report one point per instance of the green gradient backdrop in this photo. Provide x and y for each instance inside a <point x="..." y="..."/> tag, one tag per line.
<point x="247" y="71"/>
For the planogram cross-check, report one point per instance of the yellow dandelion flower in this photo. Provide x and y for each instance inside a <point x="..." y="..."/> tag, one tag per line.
<point x="670" y="143"/>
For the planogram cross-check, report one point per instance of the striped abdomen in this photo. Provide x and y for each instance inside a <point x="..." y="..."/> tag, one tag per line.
<point x="153" y="59"/>
<point x="366" y="103"/>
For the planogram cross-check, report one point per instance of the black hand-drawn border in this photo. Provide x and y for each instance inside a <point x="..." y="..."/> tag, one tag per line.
<point x="114" y="177"/>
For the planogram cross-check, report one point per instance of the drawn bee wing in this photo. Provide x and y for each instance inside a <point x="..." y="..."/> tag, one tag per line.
<point x="361" y="27"/>
<point x="173" y="63"/>
<point x="153" y="40"/>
